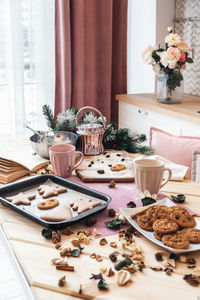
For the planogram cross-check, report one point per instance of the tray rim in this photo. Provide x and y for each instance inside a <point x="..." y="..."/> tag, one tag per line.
<point x="146" y="233"/>
<point x="58" y="180"/>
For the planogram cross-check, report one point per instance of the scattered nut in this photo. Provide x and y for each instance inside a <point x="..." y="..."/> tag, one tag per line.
<point x="67" y="231"/>
<point x="58" y="245"/>
<point x="123" y="277"/>
<point x="159" y="256"/>
<point x="112" y="184"/>
<point x="62" y="281"/>
<point x="113" y="256"/>
<point x="96" y="232"/>
<point x="75" y="242"/>
<point x="103" y="242"/>
<point x="90" y="222"/>
<point x="113" y="244"/>
<point x="56" y="237"/>
<point x="103" y="270"/>
<point x="100" y="171"/>
<point x="110" y="273"/>
<point x="111" y="213"/>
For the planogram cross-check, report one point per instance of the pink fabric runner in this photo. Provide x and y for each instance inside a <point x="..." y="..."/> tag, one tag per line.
<point x="122" y="194"/>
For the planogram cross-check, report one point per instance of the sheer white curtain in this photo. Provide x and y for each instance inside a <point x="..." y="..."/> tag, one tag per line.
<point x="141" y="33"/>
<point x="27" y="64"/>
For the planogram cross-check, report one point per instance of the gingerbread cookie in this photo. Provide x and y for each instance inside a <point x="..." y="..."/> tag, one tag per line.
<point x="47" y="190"/>
<point x="20" y="198"/>
<point x="164" y="226"/>
<point x="193" y="235"/>
<point x="50" y="203"/>
<point x="176" y="240"/>
<point x="82" y="205"/>
<point x="145" y="222"/>
<point x="118" y="167"/>
<point x="57" y="214"/>
<point x="184" y="220"/>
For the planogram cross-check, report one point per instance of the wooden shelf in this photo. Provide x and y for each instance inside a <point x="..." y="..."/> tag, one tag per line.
<point x="187" y="110"/>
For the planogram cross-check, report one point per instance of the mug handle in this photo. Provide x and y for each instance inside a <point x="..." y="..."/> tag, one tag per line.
<point x="80" y="161"/>
<point x="168" y="178"/>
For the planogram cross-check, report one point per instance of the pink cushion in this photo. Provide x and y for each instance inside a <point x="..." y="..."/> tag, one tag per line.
<point x="178" y="149"/>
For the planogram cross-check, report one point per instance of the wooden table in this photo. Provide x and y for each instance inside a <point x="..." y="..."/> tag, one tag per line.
<point x="34" y="254"/>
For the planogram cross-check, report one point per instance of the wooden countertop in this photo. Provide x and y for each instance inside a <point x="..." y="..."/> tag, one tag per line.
<point x="34" y="254"/>
<point x="187" y="110"/>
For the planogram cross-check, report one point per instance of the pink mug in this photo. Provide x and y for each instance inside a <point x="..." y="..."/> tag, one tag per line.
<point x="62" y="159"/>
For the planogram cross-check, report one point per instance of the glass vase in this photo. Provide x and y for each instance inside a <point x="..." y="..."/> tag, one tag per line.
<point x="170" y="87"/>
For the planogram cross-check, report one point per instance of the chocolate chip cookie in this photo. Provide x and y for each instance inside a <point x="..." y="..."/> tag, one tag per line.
<point x="165" y="226"/>
<point x="184" y="220"/>
<point x="176" y="240"/>
<point x="193" y="235"/>
<point x="145" y="222"/>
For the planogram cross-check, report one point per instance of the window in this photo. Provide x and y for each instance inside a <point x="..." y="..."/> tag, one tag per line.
<point x="27" y="64"/>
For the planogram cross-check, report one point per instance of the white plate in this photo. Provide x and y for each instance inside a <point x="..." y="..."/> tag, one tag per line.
<point x="149" y="235"/>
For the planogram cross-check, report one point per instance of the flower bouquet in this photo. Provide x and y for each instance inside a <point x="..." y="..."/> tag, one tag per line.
<point x="167" y="62"/>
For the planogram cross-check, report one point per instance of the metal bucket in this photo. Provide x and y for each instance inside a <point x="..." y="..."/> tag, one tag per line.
<point x="91" y="134"/>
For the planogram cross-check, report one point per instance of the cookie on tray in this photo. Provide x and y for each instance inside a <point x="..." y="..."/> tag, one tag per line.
<point x="21" y="198"/>
<point x="82" y="205"/>
<point x="184" y="220"/>
<point x="47" y="190"/>
<point x="193" y="235"/>
<point x="158" y="236"/>
<point x="48" y="204"/>
<point x="177" y="240"/>
<point x="118" y="167"/>
<point x="165" y="226"/>
<point x="145" y="222"/>
<point x="57" y="214"/>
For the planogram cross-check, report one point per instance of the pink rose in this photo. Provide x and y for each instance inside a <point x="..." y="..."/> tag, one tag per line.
<point x="182" y="57"/>
<point x="183" y="47"/>
<point x="173" y="53"/>
<point x="147" y="55"/>
<point x="184" y="66"/>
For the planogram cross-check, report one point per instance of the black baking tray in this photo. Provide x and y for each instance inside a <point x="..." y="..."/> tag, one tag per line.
<point x="28" y="183"/>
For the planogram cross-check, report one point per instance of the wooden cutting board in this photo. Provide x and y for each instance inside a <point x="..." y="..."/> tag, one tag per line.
<point x="88" y="170"/>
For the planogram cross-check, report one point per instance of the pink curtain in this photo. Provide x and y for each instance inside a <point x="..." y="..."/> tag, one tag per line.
<point x="90" y="54"/>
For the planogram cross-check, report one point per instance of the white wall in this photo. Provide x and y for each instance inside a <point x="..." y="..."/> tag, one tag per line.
<point x="147" y="25"/>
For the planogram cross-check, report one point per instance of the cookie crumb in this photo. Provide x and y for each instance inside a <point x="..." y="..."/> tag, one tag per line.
<point x="100" y="171"/>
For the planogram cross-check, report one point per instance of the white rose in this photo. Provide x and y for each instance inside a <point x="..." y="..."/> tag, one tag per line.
<point x="147" y="55"/>
<point x="164" y="58"/>
<point x="172" y="39"/>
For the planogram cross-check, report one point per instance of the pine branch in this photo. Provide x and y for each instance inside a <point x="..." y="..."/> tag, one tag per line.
<point x="48" y="113"/>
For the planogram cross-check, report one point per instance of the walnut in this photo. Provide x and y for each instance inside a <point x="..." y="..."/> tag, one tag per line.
<point x="67" y="231"/>
<point x="65" y="252"/>
<point x="56" y="237"/>
<point x="75" y="242"/>
<point x="62" y="281"/>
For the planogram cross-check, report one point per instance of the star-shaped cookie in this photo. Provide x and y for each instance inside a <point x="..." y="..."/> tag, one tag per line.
<point x="47" y="190"/>
<point x="20" y="198"/>
<point x="82" y="205"/>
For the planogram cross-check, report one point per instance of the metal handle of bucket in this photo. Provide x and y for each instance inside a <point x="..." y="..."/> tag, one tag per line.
<point x="91" y="108"/>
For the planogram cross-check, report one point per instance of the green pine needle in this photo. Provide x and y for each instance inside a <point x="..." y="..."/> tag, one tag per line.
<point x="48" y="113"/>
